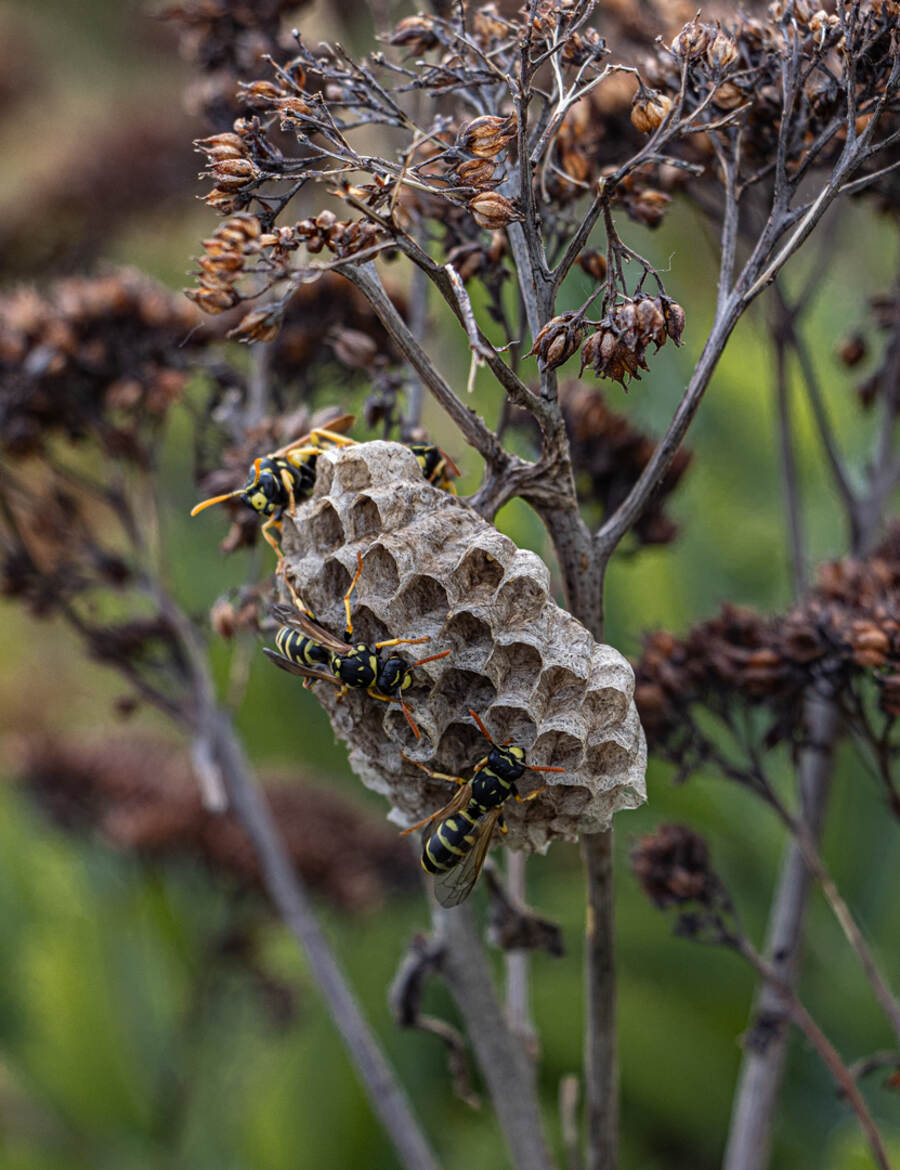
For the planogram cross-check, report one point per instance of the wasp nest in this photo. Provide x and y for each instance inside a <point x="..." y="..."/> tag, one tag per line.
<point x="433" y="567"/>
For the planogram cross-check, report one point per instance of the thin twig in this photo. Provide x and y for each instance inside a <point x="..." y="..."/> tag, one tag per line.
<point x="601" y="1088"/>
<point x="762" y="1065"/>
<point x="505" y="1066"/>
<point x="827" y="1052"/>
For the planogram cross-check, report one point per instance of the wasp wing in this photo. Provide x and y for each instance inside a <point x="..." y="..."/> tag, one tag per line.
<point x="297" y="620"/>
<point x="295" y="668"/>
<point x="459" y="800"/>
<point x="454" y="886"/>
<point x="337" y="425"/>
<point x="456" y="473"/>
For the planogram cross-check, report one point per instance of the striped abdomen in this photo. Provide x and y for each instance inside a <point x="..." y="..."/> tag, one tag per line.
<point x="300" y="649"/>
<point x="451" y="840"/>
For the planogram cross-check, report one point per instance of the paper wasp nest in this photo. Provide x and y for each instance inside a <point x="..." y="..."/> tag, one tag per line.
<point x="432" y="566"/>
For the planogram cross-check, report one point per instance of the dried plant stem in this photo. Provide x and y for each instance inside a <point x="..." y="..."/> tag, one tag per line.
<point x="848" y="924"/>
<point x="796" y="543"/>
<point x="506" y="1068"/>
<point x="387" y="1097"/>
<point x="827" y="1052"/>
<point x="518" y="1007"/>
<point x="600" y="1056"/>
<point x="762" y="1067"/>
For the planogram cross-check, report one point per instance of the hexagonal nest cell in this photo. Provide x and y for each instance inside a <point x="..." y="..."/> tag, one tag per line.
<point x="433" y="568"/>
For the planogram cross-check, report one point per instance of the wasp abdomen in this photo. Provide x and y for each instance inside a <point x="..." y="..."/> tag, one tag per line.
<point x="450" y="842"/>
<point x="300" y="649"/>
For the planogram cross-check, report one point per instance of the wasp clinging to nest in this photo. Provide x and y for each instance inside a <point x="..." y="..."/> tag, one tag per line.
<point x="458" y="836"/>
<point x="279" y="481"/>
<point x="305" y="648"/>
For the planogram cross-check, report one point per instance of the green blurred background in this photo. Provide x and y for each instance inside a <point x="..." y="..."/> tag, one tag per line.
<point x="117" y="1051"/>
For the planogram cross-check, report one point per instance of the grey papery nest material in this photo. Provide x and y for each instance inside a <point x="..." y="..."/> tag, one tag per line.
<point x="432" y="566"/>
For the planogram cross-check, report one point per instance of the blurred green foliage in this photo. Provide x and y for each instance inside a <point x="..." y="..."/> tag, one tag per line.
<point x="123" y="1046"/>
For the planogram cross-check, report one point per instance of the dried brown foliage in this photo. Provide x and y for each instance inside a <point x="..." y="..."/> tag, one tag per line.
<point x="140" y="795"/>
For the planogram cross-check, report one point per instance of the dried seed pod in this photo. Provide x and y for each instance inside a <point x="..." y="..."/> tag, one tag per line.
<point x="432" y="567"/>
<point x="492" y="211"/>
<point x="646" y="205"/>
<point x="475" y="172"/>
<point x="259" y="325"/>
<point x="354" y="348"/>
<point x="416" y="33"/>
<point x="593" y="263"/>
<point x="674" y="318"/>
<point x="486" y="136"/>
<point x="649" y="110"/>
<point x="721" y="51"/>
<point x="558" y="340"/>
<point x="693" y="40"/>
<point x="852" y="350"/>
<point x="729" y="96"/>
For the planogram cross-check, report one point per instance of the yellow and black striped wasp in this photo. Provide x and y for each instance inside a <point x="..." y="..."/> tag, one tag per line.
<point x="437" y="466"/>
<point x="305" y="646"/>
<point x="279" y="481"/>
<point x="458" y="836"/>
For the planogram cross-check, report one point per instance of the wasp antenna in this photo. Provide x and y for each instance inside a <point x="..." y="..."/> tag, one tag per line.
<point x="430" y="658"/>
<point x="215" y="500"/>
<point x="481" y="727"/>
<point x="543" y="768"/>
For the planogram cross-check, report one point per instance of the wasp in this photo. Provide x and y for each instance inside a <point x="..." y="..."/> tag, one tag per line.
<point x="305" y="647"/>
<point x="458" y="836"/>
<point x="277" y="482"/>
<point x="437" y="466"/>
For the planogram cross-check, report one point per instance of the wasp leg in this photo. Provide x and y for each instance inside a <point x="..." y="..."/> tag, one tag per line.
<point x="289" y="488"/>
<point x="436" y="775"/>
<point x="341" y="693"/>
<point x="531" y="795"/>
<point x="273" y="522"/>
<point x="403" y="707"/>
<point x="349" y="593"/>
<point x="421" y="824"/>
<point x="501" y="824"/>
<point x="316" y="437"/>
<point x="407" y="642"/>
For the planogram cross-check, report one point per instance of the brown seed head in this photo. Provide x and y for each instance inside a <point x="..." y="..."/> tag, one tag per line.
<point x="593" y="263"/>
<point x="693" y="40"/>
<point x="416" y="33"/>
<point x="558" y="340"/>
<point x="672" y="866"/>
<point x="492" y="211"/>
<point x="486" y="136"/>
<point x="721" y="52"/>
<point x="649" y="110"/>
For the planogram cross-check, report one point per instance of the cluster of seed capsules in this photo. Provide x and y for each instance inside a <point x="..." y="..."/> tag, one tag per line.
<point x="458" y="835"/>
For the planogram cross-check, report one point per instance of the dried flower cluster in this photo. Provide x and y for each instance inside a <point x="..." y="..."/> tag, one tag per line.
<point x="843" y="636"/>
<point x="98" y="183"/>
<point x="673" y="867"/>
<point x="226" y="42"/>
<point x="140" y="795"/>
<point x="104" y="356"/>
